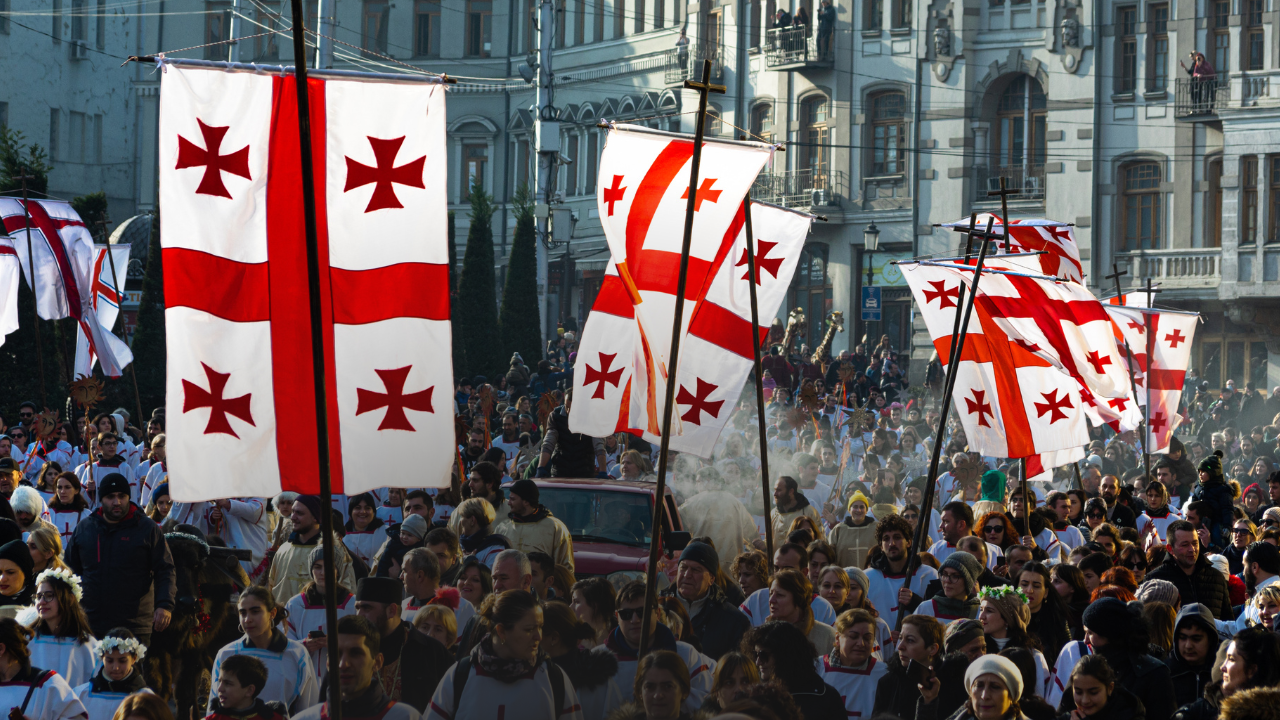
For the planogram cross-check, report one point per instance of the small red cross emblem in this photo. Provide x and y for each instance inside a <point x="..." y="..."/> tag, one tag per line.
<point x="195" y="397"/>
<point x="1054" y="406"/>
<point x="394" y="400"/>
<point x="977" y="404"/>
<point x="1175" y="337"/>
<point x="614" y="194"/>
<point x="1157" y="422"/>
<point x="1027" y="345"/>
<point x="384" y="154"/>
<point x="1118" y="403"/>
<point x="1137" y="326"/>
<point x="1097" y="362"/>
<point x="945" y="296"/>
<point x="190" y="155"/>
<point x="603" y="375"/>
<point x="769" y="265"/>
<point x="698" y="402"/>
<point x="704" y="193"/>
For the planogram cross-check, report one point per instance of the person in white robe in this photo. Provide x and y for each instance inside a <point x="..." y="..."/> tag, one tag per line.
<point x="118" y="677"/>
<point x="63" y="639"/>
<point x="291" y="679"/>
<point x="36" y="693"/>
<point x="306" y="613"/>
<point x="240" y="522"/>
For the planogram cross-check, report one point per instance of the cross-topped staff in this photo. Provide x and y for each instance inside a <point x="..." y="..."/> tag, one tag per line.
<point x="31" y="268"/>
<point x="704" y="88"/>
<point x="115" y="281"/>
<point x="1116" y="274"/>
<point x="957" y="348"/>
<point x="1151" y="291"/>
<point x="755" y="345"/>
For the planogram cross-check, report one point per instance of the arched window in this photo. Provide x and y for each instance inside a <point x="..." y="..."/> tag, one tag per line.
<point x="888" y="133"/>
<point x="811" y="292"/>
<point x="814" y="136"/>
<point x="1142" y="211"/>
<point x="762" y="121"/>
<point x="1020" y="125"/>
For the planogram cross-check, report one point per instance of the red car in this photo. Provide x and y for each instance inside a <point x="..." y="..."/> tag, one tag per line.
<point x="610" y="522"/>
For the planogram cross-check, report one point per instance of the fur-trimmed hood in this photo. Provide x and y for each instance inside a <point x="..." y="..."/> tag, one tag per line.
<point x="26" y="499"/>
<point x="588" y="668"/>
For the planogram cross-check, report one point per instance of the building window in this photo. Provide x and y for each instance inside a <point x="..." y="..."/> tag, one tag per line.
<point x="1213" y="204"/>
<point x="593" y="158"/>
<point x="753" y="37"/>
<point x="659" y="13"/>
<point x="715" y="124"/>
<point x="762" y="122"/>
<point x="475" y="157"/>
<point x="579" y="22"/>
<point x="1020" y="126"/>
<point x="1127" y="49"/>
<point x="426" y="28"/>
<point x="55" y="130"/>
<point x="1222" y="37"/>
<point x="217" y="29"/>
<point x="4" y="114"/>
<point x="814" y="134"/>
<point x="4" y="19"/>
<point x="267" y="47"/>
<point x="874" y="15"/>
<point x="377" y="15"/>
<point x="1158" y="47"/>
<point x="571" y="169"/>
<point x="522" y="162"/>
<point x="811" y="290"/>
<point x="100" y="28"/>
<point x="479" y="28"/>
<point x="1249" y="199"/>
<point x="79" y="32"/>
<point x="901" y="14"/>
<point x="1273" y="213"/>
<point x="598" y="10"/>
<point x="619" y="18"/>
<point x="1254" y="41"/>
<point x="1142" y="216"/>
<point x="638" y="7"/>
<point x="888" y="133"/>
<point x="56" y="29"/>
<point x="561" y="18"/>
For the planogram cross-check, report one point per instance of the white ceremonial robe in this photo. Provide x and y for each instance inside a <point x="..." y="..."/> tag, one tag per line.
<point x="51" y="699"/>
<point x="757" y="608"/>
<point x="364" y="544"/>
<point x="243" y="525"/>
<point x="305" y="618"/>
<point x="530" y="698"/>
<point x="101" y="471"/>
<point x="75" y="661"/>
<point x="943" y="549"/>
<point x="157" y="475"/>
<point x="397" y="711"/>
<point x="883" y="589"/>
<point x="461" y="616"/>
<point x="857" y="688"/>
<point x="101" y="705"/>
<point x="290" y="677"/>
<point x="1067" y="659"/>
<point x="66" y="522"/>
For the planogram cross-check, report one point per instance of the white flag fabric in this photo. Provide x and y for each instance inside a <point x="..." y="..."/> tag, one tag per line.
<point x="1056" y="242"/>
<point x="105" y="296"/>
<point x="241" y="386"/>
<point x="10" y="275"/>
<point x="1160" y="343"/>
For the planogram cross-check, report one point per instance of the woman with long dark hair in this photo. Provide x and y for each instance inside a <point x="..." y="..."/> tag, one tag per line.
<point x="35" y="693"/>
<point x="1118" y="633"/>
<point x="783" y="653"/>
<point x="790" y="599"/>
<point x="732" y="681"/>
<point x="1096" y="695"/>
<point x="63" y="639"/>
<point x="1004" y="617"/>
<point x="1252" y="661"/>
<point x="595" y="602"/>
<point x="996" y="528"/>
<point x="592" y="671"/>
<point x="1068" y="582"/>
<point x="365" y="532"/>
<point x="1049" y="612"/>
<point x="68" y="506"/>
<point x="291" y="679"/>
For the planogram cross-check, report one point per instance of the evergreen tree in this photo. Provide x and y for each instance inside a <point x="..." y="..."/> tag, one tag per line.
<point x="459" y="357"/>
<point x="477" y="315"/>
<point x="149" y="338"/>
<point x="521" y="327"/>
<point x="92" y="209"/>
<point x="17" y="159"/>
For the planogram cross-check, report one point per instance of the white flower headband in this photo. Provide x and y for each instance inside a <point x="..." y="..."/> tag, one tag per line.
<point x="71" y="579"/>
<point x="126" y="646"/>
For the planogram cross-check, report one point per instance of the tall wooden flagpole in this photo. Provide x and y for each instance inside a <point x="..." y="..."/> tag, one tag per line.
<point x="35" y="297"/>
<point x="115" y="281"/>
<point x="317" y="355"/>
<point x="1115" y="275"/>
<point x="704" y="88"/>
<point x="957" y="349"/>
<point x="759" y="375"/>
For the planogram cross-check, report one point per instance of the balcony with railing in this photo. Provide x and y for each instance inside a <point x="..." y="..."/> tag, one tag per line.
<point x="1186" y="268"/>
<point x="801" y="188"/>
<point x="796" y="48"/>
<point x="686" y="63"/>
<point x="1200" y="98"/>
<point x="1027" y="181"/>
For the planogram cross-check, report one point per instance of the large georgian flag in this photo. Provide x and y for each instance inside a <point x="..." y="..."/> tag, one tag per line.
<point x="1056" y="242"/>
<point x="1159" y="374"/>
<point x="105" y="295"/>
<point x="10" y="276"/>
<point x="241" y="388"/>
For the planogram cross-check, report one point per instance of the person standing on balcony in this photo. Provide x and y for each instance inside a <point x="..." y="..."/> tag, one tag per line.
<point x="782" y="20"/>
<point x="682" y="48"/>
<point x="1203" y="78"/>
<point x="826" y="25"/>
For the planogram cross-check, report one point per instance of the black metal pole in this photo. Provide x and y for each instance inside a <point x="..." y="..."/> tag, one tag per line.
<point x="35" y="297"/>
<point x="704" y="89"/>
<point x="115" y="280"/>
<point x="957" y="348"/>
<point x="317" y="356"/>
<point x="1128" y="359"/>
<point x="755" y="337"/>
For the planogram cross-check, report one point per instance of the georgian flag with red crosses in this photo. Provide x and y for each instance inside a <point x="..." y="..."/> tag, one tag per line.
<point x="241" y="387"/>
<point x="643" y="198"/>
<point x="1160" y="342"/>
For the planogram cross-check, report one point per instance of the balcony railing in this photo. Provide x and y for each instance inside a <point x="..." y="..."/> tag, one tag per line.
<point x="1200" y="96"/>
<point x="801" y="188"/>
<point x="686" y="63"/>
<point x="797" y="47"/>
<point x="1189" y="268"/>
<point x="1027" y="181"/>
<point x="1254" y="88"/>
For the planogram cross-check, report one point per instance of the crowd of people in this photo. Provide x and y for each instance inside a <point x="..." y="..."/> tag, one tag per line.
<point x="1125" y="587"/>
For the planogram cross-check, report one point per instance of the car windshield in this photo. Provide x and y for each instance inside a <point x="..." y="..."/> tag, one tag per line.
<point x="601" y="514"/>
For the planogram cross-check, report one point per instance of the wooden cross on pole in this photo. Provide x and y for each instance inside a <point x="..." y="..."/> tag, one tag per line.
<point x="1004" y="194"/>
<point x="704" y="88"/>
<point x="1151" y="291"/>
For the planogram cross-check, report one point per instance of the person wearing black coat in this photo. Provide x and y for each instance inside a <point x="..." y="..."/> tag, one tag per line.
<point x="783" y="653"/>
<point x="124" y="565"/>
<point x="920" y="646"/>
<point x="1120" y="636"/>
<point x="1190" y="571"/>
<point x="1195" y="645"/>
<point x="1121" y="705"/>
<point x="717" y="623"/>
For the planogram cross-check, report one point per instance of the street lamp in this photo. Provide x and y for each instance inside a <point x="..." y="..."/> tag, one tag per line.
<point x="870" y="244"/>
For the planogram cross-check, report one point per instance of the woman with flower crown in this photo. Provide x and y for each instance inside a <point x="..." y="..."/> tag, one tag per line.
<point x="1004" y="616"/>
<point x="63" y="640"/>
<point x="118" y="677"/>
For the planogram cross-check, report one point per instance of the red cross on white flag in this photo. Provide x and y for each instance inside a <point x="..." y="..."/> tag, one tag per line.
<point x="10" y="276"/>
<point x="1060" y="256"/>
<point x="106" y="298"/>
<point x="1159" y="376"/>
<point x="241" y="389"/>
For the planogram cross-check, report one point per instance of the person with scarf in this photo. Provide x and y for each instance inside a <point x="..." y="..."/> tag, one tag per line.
<point x="1004" y="617"/>
<point x="291" y="565"/>
<point x="917" y="664"/>
<point x="852" y="667"/>
<point x="530" y="526"/>
<point x="592" y="671"/>
<point x="35" y="693"/>
<point x="624" y="642"/>
<point x="291" y="679"/>
<point x="993" y="684"/>
<point x="508" y="671"/>
<point x="1118" y="633"/>
<point x="474" y="518"/>
<point x="305" y="614"/>
<point x="63" y="639"/>
<point x="363" y="697"/>
<point x="362" y="536"/>
<point x="118" y="677"/>
<point x="784" y="655"/>
<point x="958" y="579"/>
<point x="1049" y="611"/>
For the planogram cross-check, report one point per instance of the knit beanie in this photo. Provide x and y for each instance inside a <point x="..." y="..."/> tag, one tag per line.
<point x="526" y="490"/>
<point x="998" y="665"/>
<point x="16" y="551"/>
<point x="703" y="554"/>
<point x="960" y="633"/>
<point x="113" y="483"/>
<point x="859" y="578"/>
<point x="1010" y="602"/>
<point x="415" y="525"/>
<point x="1213" y="466"/>
<point x="311" y="503"/>
<point x="968" y="567"/>
<point x="993" y="486"/>
<point x="1158" y="591"/>
<point x="857" y="496"/>
<point x="1108" y="617"/>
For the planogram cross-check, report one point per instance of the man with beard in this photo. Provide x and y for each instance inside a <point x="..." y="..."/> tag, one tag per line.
<point x="790" y="504"/>
<point x="475" y="446"/>
<point x="291" y="565"/>
<point x="807" y="468"/>
<point x="530" y="526"/>
<point x="1118" y="514"/>
<point x="360" y="666"/>
<point x="413" y="662"/>
<point x="509" y="440"/>
<point x="1261" y="568"/>
<point x="887" y="569"/>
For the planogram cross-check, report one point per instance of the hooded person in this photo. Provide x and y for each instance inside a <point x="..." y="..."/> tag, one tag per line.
<point x="1214" y="490"/>
<point x="29" y="507"/>
<point x="530" y="527"/>
<point x="856" y="535"/>
<point x="1117" y="632"/>
<point x="958" y="600"/>
<point x="1195" y="646"/>
<point x="993" y="487"/>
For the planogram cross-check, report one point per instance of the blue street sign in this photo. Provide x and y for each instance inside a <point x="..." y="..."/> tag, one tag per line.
<point x="871" y="303"/>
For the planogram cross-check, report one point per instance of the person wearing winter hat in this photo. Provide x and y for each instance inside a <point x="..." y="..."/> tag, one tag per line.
<point x="965" y="637"/>
<point x="716" y="622"/>
<point x="958" y="576"/>
<point x="993" y="684"/>
<point x="1117" y="632"/>
<point x="993" y="482"/>
<point x="306" y="613"/>
<point x="17" y="576"/>
<point x="1213" y="489"/>
<point x="1004" y="616"/>
<point x="531" y="528"/>
<point x="856" y="535"/>
<point x="1159" y="591"/>
<point x="291" y="565"/>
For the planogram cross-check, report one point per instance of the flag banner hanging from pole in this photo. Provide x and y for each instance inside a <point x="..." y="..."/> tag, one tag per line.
<point x="1159" y="377"/>
<point x="241" y="386"/>
<point x="105" y="297"/>
<point x="1056" y="241"/>
<point x="10" y="276"/>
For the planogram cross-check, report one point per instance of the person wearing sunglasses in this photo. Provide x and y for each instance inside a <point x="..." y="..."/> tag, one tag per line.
<point x="1243" y="533"/>
<point x="624" y="643"/>
<point x="1095" y="515"/>
<point x="996" y="528"/>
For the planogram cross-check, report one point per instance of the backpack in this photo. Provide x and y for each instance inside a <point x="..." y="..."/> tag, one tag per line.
<point x="463" y="671"/>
